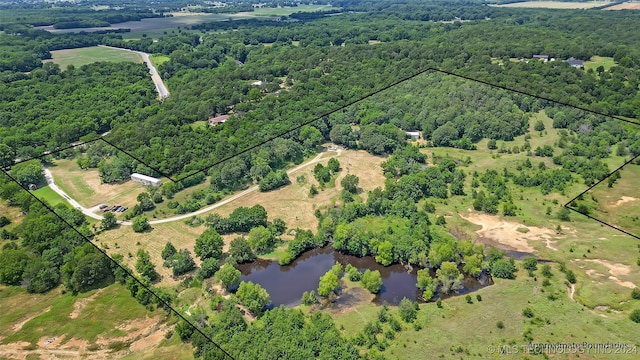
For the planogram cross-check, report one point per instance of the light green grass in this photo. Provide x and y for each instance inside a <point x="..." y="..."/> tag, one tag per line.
<point x="595" y="61"/>
<point x="99" y="317"/>
<point x="157" y="60"/>
<point x="48" y="195"/>
<point x="89" y="55"/>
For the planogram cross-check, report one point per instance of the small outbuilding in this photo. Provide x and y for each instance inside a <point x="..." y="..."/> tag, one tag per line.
<point x="413" y="134"/>
<point x="220" y="119"/>
<point x="146" y="180"/>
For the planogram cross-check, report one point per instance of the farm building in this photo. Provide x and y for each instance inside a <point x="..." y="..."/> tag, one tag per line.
<point x="575" y="62"/>
<point x="145" y="180"/>
<point x="541" y="57"/>
<point x="413" y="134"/>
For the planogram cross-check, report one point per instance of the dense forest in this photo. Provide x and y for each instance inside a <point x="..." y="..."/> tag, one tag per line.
<point x="316" y="72"/>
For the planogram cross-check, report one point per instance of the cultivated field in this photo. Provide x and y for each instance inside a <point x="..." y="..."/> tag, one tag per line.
<point x="625" y="6"/>
<point x="88" y="55"/>
<point x="85" y="186"/>
<point x="555" y="4"/>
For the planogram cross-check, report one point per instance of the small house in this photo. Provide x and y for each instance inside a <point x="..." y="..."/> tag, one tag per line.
<point x="575" y="62"/>
<point x="220" y="119"/>
<point x="146" y="180"/>
<point x="545" y="58"/>
<point x="413" y="134"/>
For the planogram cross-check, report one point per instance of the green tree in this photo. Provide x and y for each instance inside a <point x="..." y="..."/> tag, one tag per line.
<point x="229" y="276"/>
<point x="491" y="145"/>
<point x="90" y="270"/>
<point x="328" y="283"/>
<point x="168" y="251"/>
<point x="473" y="265"/>
<point x="504" y="269"/>
<point x="183" y="262"/>
<point x="109" y="221"/>
<point x="29" y="172"/>
<point x="260" y="239"/>
<point x="141" y="224"/>
<point x="6" y="155"/>
<point x="240" y="250"/>
<point x="12" y="266"/>
<point x="407" y="310"/>
<point x="371" y="280"/>
<point x="635" y="316"/>
<point x="538" y="126"/>
<point x="253" y="296"/>
<point x="427" y="284"/>
<point x="385" y="253"/>
<point x="145" y="266"/>
<point x="208" y="268"/>
<point x="333" y="165"/>
<point x="450" y="277"/>
<point x="563" y="214"/>
<point x="530" y="263"/>
<point x="209" y="245"/>
<point x="350" y="183"/>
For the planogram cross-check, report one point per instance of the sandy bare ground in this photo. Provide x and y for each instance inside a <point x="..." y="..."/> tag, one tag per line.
<point x="505" y="233"/>
<point x="625" y="6"/>
<point x="615" y="269"/>
<point x="19" y="325"/>
<point x="140" y="334"/>
<point x="623" y="199"/>
<point x="571" y="291"/>
<point x="81" y="303"/>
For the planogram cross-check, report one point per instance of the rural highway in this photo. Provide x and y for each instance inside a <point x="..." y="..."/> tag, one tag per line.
<point x="157" y="80"/>
<point x="91" y="211"/>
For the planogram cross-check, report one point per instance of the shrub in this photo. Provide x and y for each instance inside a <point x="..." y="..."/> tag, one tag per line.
<point x="635" y="294"/>
<point x="635" y="316"/>
<point x="527" y="312"/>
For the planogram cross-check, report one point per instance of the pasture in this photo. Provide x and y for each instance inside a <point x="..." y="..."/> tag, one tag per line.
<point x="86" y="188"/>
<point x="555" y="4"/>
<point x="92" y="54"/>
<point x="596" y="61"/>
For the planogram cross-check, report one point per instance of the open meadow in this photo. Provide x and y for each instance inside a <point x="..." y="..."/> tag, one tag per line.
<point x="596" y="61"/>
<point x="99" y="324"/>
<point x="86" y="188"/>
<point x="625" y="6"/>
<point x="88" y="55"/>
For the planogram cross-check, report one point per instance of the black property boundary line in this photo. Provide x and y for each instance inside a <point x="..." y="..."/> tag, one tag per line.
<point x="168" y="306"/>
<point x="621" y="167"/>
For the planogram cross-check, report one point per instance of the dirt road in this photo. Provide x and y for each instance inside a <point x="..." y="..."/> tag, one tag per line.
<point x="91" y="211"/>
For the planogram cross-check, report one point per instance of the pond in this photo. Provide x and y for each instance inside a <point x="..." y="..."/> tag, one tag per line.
<point x="286" y="284"/>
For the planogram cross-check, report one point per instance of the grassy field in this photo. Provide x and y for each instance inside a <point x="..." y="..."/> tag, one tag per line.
<point x="556" y="4"/>
<point x="625" y="6"/>
<point x="86" y="187"/>
<point x="460" y="330"/>
<point x="595" y="61"/>
<point x="51" y="197"/>
<point x="157" y="60"/>
<point x="88" y="55"/>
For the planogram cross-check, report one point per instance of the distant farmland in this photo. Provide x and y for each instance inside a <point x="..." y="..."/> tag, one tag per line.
<point x="625" y="6"/>
<point x="556" y="4"/>
<point x="88" y="55"/>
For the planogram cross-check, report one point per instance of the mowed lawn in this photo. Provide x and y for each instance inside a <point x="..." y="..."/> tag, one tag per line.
<point x="85" y="186"/>
<point x="88" y="55"/>
<point x="595" y="61"/>
<point x="48" y="195"/>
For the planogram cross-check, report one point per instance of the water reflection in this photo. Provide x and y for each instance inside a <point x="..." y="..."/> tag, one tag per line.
<point x="286" y="286"/>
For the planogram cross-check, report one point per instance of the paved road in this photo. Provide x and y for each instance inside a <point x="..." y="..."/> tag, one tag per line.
<point x="91" y="211"/>
<point x="157" y="80"/>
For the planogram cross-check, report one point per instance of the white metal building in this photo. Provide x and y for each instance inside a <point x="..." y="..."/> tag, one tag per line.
<point x="146" y="180"/>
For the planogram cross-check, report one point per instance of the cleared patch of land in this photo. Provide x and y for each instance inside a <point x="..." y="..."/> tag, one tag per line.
<point x="86" y="188"/>
<point x="555" y="4"/>
<point x="88" y="55"/>
<point x="157" y="60"/>
<point x="47" y="194"/>
<point x="596" y="61"/>
<point x="293" y="204"/>
<point x="624" y="6"/>
<point x="39" y="325"/>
